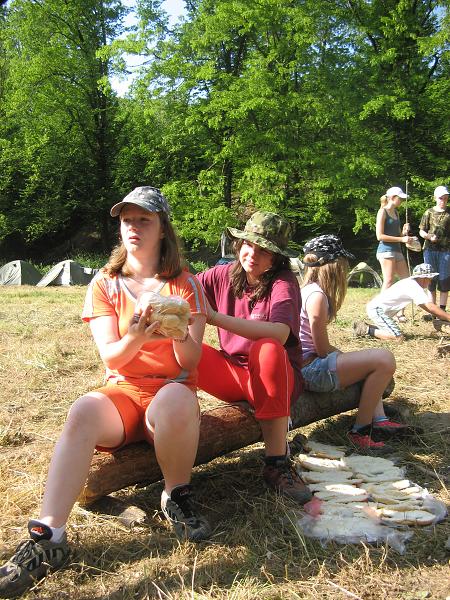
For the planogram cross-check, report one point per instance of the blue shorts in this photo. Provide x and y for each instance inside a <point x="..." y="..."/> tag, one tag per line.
<point x="440" y="261"/>
<point x="320" y="375"/>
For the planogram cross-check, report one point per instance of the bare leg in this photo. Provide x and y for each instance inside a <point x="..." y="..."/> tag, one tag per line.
<point x="274" y="433"/>
<point x="443" y="296"/>
<point x="388" y="270"/>
<point x="375" y="367"/>
<point x="380" y="334"/>
<point x="174" y="420"/>
<point x="93" y="420"/>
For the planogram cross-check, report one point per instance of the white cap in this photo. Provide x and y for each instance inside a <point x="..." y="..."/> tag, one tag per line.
<point x="440" y="191"/>
<point x="396" y="191"/>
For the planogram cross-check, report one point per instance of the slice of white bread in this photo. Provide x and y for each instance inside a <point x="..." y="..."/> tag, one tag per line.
<point x="324" y="450"/>
<point x="409" y="517"/>
<point x="392" y="474"/>
<point x="368" y="464"/>
<point x="314" y="463"/>
<point x="324" y="485"/>
<point x="341" y="492"/>
<point x="400" y="505"/>
<point x="335" y="476"/>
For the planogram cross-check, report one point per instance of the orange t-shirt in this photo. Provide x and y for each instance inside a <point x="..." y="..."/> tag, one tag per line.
<point x="110" y="296"/>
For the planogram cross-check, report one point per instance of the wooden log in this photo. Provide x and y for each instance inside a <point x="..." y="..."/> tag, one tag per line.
<point x="222" y="430"/>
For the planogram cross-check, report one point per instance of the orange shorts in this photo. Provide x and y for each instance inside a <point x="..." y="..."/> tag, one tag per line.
<point x="131" y="402"/>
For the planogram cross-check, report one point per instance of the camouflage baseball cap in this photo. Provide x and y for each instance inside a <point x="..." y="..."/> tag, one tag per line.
<point x="268" y="230"/>
<point x="148" y="198"/>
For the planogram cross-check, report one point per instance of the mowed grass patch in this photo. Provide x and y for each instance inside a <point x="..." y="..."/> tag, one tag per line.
<point x="48" y="359"/>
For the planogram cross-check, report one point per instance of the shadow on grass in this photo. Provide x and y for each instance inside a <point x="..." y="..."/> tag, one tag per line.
<point x="253" y="536"/>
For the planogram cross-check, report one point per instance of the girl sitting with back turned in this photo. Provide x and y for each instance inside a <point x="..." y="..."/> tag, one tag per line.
<point x="325" y="368"/>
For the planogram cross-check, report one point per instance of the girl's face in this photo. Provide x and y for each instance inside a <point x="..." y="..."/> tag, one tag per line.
<point x="442" y="202"/>
<point x="254" y="260"/>
<point x="396" y="201"/>
<point x="140" y="230"/>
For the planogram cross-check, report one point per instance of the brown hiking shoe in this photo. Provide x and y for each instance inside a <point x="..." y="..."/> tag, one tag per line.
<point x="283" y="477"/>
<point x="360" y="329"/>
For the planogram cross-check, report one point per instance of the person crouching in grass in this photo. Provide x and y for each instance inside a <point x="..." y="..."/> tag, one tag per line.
<point x="386" y="305"/>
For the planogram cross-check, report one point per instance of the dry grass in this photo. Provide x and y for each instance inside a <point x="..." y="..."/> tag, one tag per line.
<point x="47" y="359"/>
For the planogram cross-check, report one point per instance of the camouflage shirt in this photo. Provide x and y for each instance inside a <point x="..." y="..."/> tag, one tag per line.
<point x="439" y="224"/>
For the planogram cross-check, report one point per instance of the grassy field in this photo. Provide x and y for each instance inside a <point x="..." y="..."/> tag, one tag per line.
<point x="47" y="359"/>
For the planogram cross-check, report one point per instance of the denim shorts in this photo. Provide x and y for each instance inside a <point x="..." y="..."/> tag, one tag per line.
<point x="320" y="375"/>
<point x="391" y="254"/>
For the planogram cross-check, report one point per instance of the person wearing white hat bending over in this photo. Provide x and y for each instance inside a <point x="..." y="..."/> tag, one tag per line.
<point x="435" y="230"/>
<point x="386" y="305"/>
<point x="390" y="237"/>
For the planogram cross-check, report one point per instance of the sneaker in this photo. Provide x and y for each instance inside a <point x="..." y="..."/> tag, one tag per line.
<point x="179" y="511"/>
<point x="360" y="329"/>
<point x="363" y="441"/>
<point x="284" y="478"/>
<point x="388" y="429"/>
<point x="32" y="560"/>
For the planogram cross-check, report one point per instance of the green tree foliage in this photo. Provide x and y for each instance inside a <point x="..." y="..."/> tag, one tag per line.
<point x="311" y="108"/>
<point x="58" y="132"/>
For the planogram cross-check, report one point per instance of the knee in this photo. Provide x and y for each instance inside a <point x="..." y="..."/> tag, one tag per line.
<point x="82" y="414"/>
<point x="179" y="408"/>
<point x="386" y="361"/>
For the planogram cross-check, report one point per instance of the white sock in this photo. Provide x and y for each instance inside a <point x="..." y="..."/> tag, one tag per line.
<point x="57" y="533"/>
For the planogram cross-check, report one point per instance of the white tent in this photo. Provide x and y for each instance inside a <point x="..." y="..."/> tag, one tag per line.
<point x="67" y="272"/>
<point x="19" y="272"/>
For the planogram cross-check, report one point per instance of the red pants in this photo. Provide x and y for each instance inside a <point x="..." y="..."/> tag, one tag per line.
<point x="267" y="383"/>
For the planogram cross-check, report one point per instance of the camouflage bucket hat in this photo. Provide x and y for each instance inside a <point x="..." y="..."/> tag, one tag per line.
<point x="268" y="230"/>
<point x="147" y="197"/>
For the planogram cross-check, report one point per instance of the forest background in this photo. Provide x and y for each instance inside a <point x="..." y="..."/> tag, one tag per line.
<point x="311" y="108"/>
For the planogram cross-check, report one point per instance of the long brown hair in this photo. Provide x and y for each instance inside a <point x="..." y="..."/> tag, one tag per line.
<point x="171" y="260"/>
<point x="331" y="278"/>
<point x="238" y="277"/>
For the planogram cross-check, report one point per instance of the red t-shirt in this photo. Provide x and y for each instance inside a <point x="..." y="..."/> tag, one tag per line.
<point x="110" y="296"/>
<point x="282" y="305"/>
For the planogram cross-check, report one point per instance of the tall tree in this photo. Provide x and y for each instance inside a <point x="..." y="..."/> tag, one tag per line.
<point x="59" y="114"/>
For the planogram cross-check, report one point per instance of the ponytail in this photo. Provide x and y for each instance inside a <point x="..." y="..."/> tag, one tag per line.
<point x="383" y="200"/>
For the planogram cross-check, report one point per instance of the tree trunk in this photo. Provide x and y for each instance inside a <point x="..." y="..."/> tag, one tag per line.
<point x="222" y="430"/>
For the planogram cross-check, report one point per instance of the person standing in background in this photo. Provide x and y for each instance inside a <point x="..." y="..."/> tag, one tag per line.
<point x="390" y="237"/>
<point x="435" y="230"/>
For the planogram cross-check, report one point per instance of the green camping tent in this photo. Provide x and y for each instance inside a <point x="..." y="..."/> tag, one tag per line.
<point x="19" y="272"/>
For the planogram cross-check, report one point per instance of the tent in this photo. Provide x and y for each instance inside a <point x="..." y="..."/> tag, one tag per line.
<point x="19" y="272"/>
<point x="67" y="272"/>
<point x="364" y="276"/>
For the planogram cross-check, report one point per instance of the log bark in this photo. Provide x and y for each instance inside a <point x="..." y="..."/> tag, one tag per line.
<point x="222" y="430"/>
